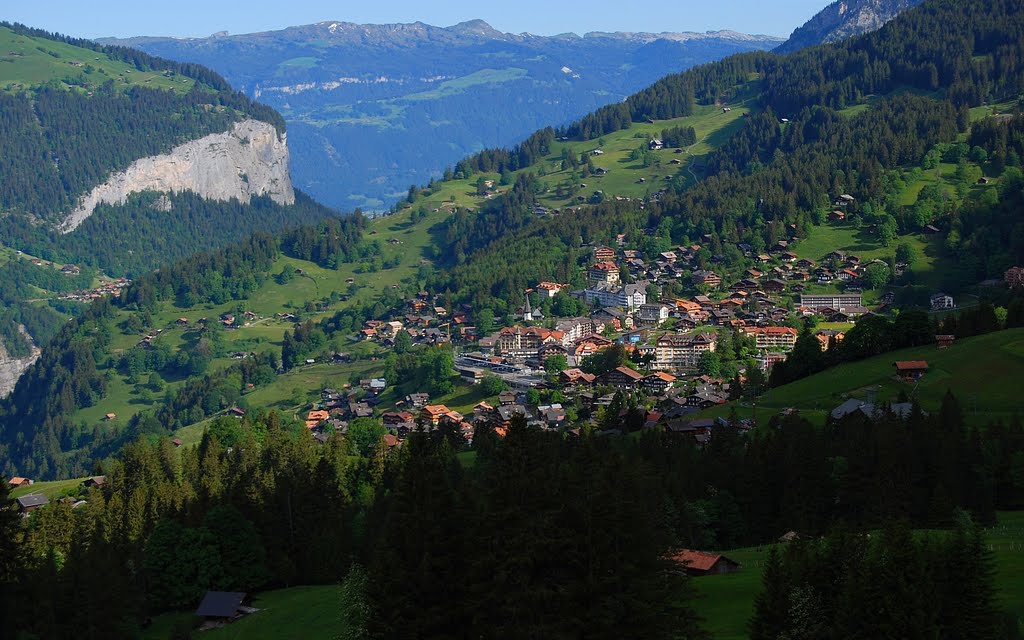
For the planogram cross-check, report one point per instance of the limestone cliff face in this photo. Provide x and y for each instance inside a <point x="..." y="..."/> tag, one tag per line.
<point x="843" y="19"/>
<point x="250" y="160"/>
<point x="12" y="368"/>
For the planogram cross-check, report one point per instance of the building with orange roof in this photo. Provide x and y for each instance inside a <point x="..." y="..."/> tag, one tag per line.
<point x="605" y="271"/>
<point x="315" y="417"/>
<point x="701" y="563"/>
<point x="911" y="370"/>
<point x="773" y="337"/>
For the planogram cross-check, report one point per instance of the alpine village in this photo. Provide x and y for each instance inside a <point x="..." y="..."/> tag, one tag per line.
<point x="732" y="348"/>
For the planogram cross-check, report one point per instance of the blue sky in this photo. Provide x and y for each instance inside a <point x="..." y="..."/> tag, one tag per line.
<point x="90" y="19"/>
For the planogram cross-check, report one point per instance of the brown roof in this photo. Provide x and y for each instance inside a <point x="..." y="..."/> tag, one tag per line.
<point x="697" y="560"/>
<point x="626" y="371"/>
<point x="911" y="365"/>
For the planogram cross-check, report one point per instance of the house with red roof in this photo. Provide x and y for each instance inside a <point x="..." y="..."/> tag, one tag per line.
<point x="701" y="563"/>
<point x="911" y="370"/>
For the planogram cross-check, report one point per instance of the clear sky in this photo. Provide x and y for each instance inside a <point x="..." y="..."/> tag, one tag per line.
<point x="123" y="18"/>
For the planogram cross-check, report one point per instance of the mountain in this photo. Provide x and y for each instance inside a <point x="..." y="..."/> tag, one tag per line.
<point x="115" y="161"/>
<point x="372" y="109"/>
<point x="843" y="19"/>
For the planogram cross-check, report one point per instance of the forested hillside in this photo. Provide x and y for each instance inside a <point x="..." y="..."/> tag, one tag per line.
<point x="72" y="113"/>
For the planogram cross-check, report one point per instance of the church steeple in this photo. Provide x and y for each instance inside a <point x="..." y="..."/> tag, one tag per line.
<point x="527" y="311"/>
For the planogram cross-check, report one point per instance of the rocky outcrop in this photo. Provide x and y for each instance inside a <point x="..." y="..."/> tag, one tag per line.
<point x="844" y="19"/>
<point x="250" y="160"/>
<point x="12" y="368"/>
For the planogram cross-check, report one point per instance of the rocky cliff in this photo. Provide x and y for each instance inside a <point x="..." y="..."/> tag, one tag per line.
<point x="843" y="19"/>
<point x="12" y="368"/>
<point x="250" y="160"/>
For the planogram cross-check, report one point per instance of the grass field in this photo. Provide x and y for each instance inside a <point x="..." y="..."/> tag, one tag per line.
<point x="49" y="489"/>
<point x="40" y="61"/>
<point x="727" y="601"/>
<point x="983" y="372"/>
<point x="310" y="613"/>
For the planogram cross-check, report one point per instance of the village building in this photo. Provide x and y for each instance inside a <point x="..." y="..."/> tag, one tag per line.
<point x="628" y="297"/>
<point x="773" y="337"/>
<point x="657" y="383"/>
<point x="911" y="370"/>
<point x="653" y="315"/>
<point x="941" y="301"/>
<point x="700" y="563"/>
<point x="837" y="301"/>
<point x="1014" y="277"/>
<point x="29" y="503"/>
<point x="622" y="378"/>
<point x="550" y="289"/>
<point x="525" y="342"/>
<point x="605" y="271"/>
<point x="675" y="351"/>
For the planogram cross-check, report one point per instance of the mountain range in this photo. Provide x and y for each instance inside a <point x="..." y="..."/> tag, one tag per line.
<point x="372" y="109"/>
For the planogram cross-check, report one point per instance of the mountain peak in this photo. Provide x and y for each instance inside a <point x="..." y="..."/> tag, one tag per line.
<point x="475" y="27"/>
<point x="843" y="19"/>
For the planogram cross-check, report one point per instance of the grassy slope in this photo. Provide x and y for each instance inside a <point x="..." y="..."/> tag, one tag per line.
<point x="728" y="601"/>
<point x="983" y="372"/>
<point x="41" y="61"/>
<point x="307" y="612"/>
<point x="51" y="490"/>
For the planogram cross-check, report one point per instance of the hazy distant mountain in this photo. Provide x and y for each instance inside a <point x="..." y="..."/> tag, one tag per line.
<point x="372" y="109"/>
<point x="845" y="18"/>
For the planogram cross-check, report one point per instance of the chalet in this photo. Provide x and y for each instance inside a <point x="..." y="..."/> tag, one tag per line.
<point x="576" y="378"/>
<point x="1014" y="277"/>
<point x="417" y="400"/>
<point x="707" y="278"/>
<point x="705" y="397"/>
<point x="236" y="412"/>
<point x="18" y="481"/>
<point x="221" y="607"/>
<point x="316" y="417"/>
<point x="847" y="274"/>
<point x="177" y="442"/>
<point x="930" y="229"/>
<point x="827" y="337"/>
<point x="941" y="301"/>
<point x="622" y="378"/>
<point x="603" y="254"/>
<point x="700" y="563"/>
<point x="774" y="285"/>
<point x="506" y="398"/>
<point x="110" y="416"/>
<point x="945" y="340"/>
<point x="32" y="502"/>
<point x="837" y="216"/>
<point x="911" y="370"/>
<point x="95" y="481"/>
<point x="393" y="420"/>
<point x="657" y="382"/>
<point x="433" y="414"/>
<point x="655" y="144"/>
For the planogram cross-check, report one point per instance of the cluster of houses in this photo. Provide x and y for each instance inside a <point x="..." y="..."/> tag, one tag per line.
<point x="109" y="288"/>
<point x="426" y="321"/>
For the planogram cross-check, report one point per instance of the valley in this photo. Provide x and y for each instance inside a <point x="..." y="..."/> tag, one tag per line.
<point x="729" y="357"/>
